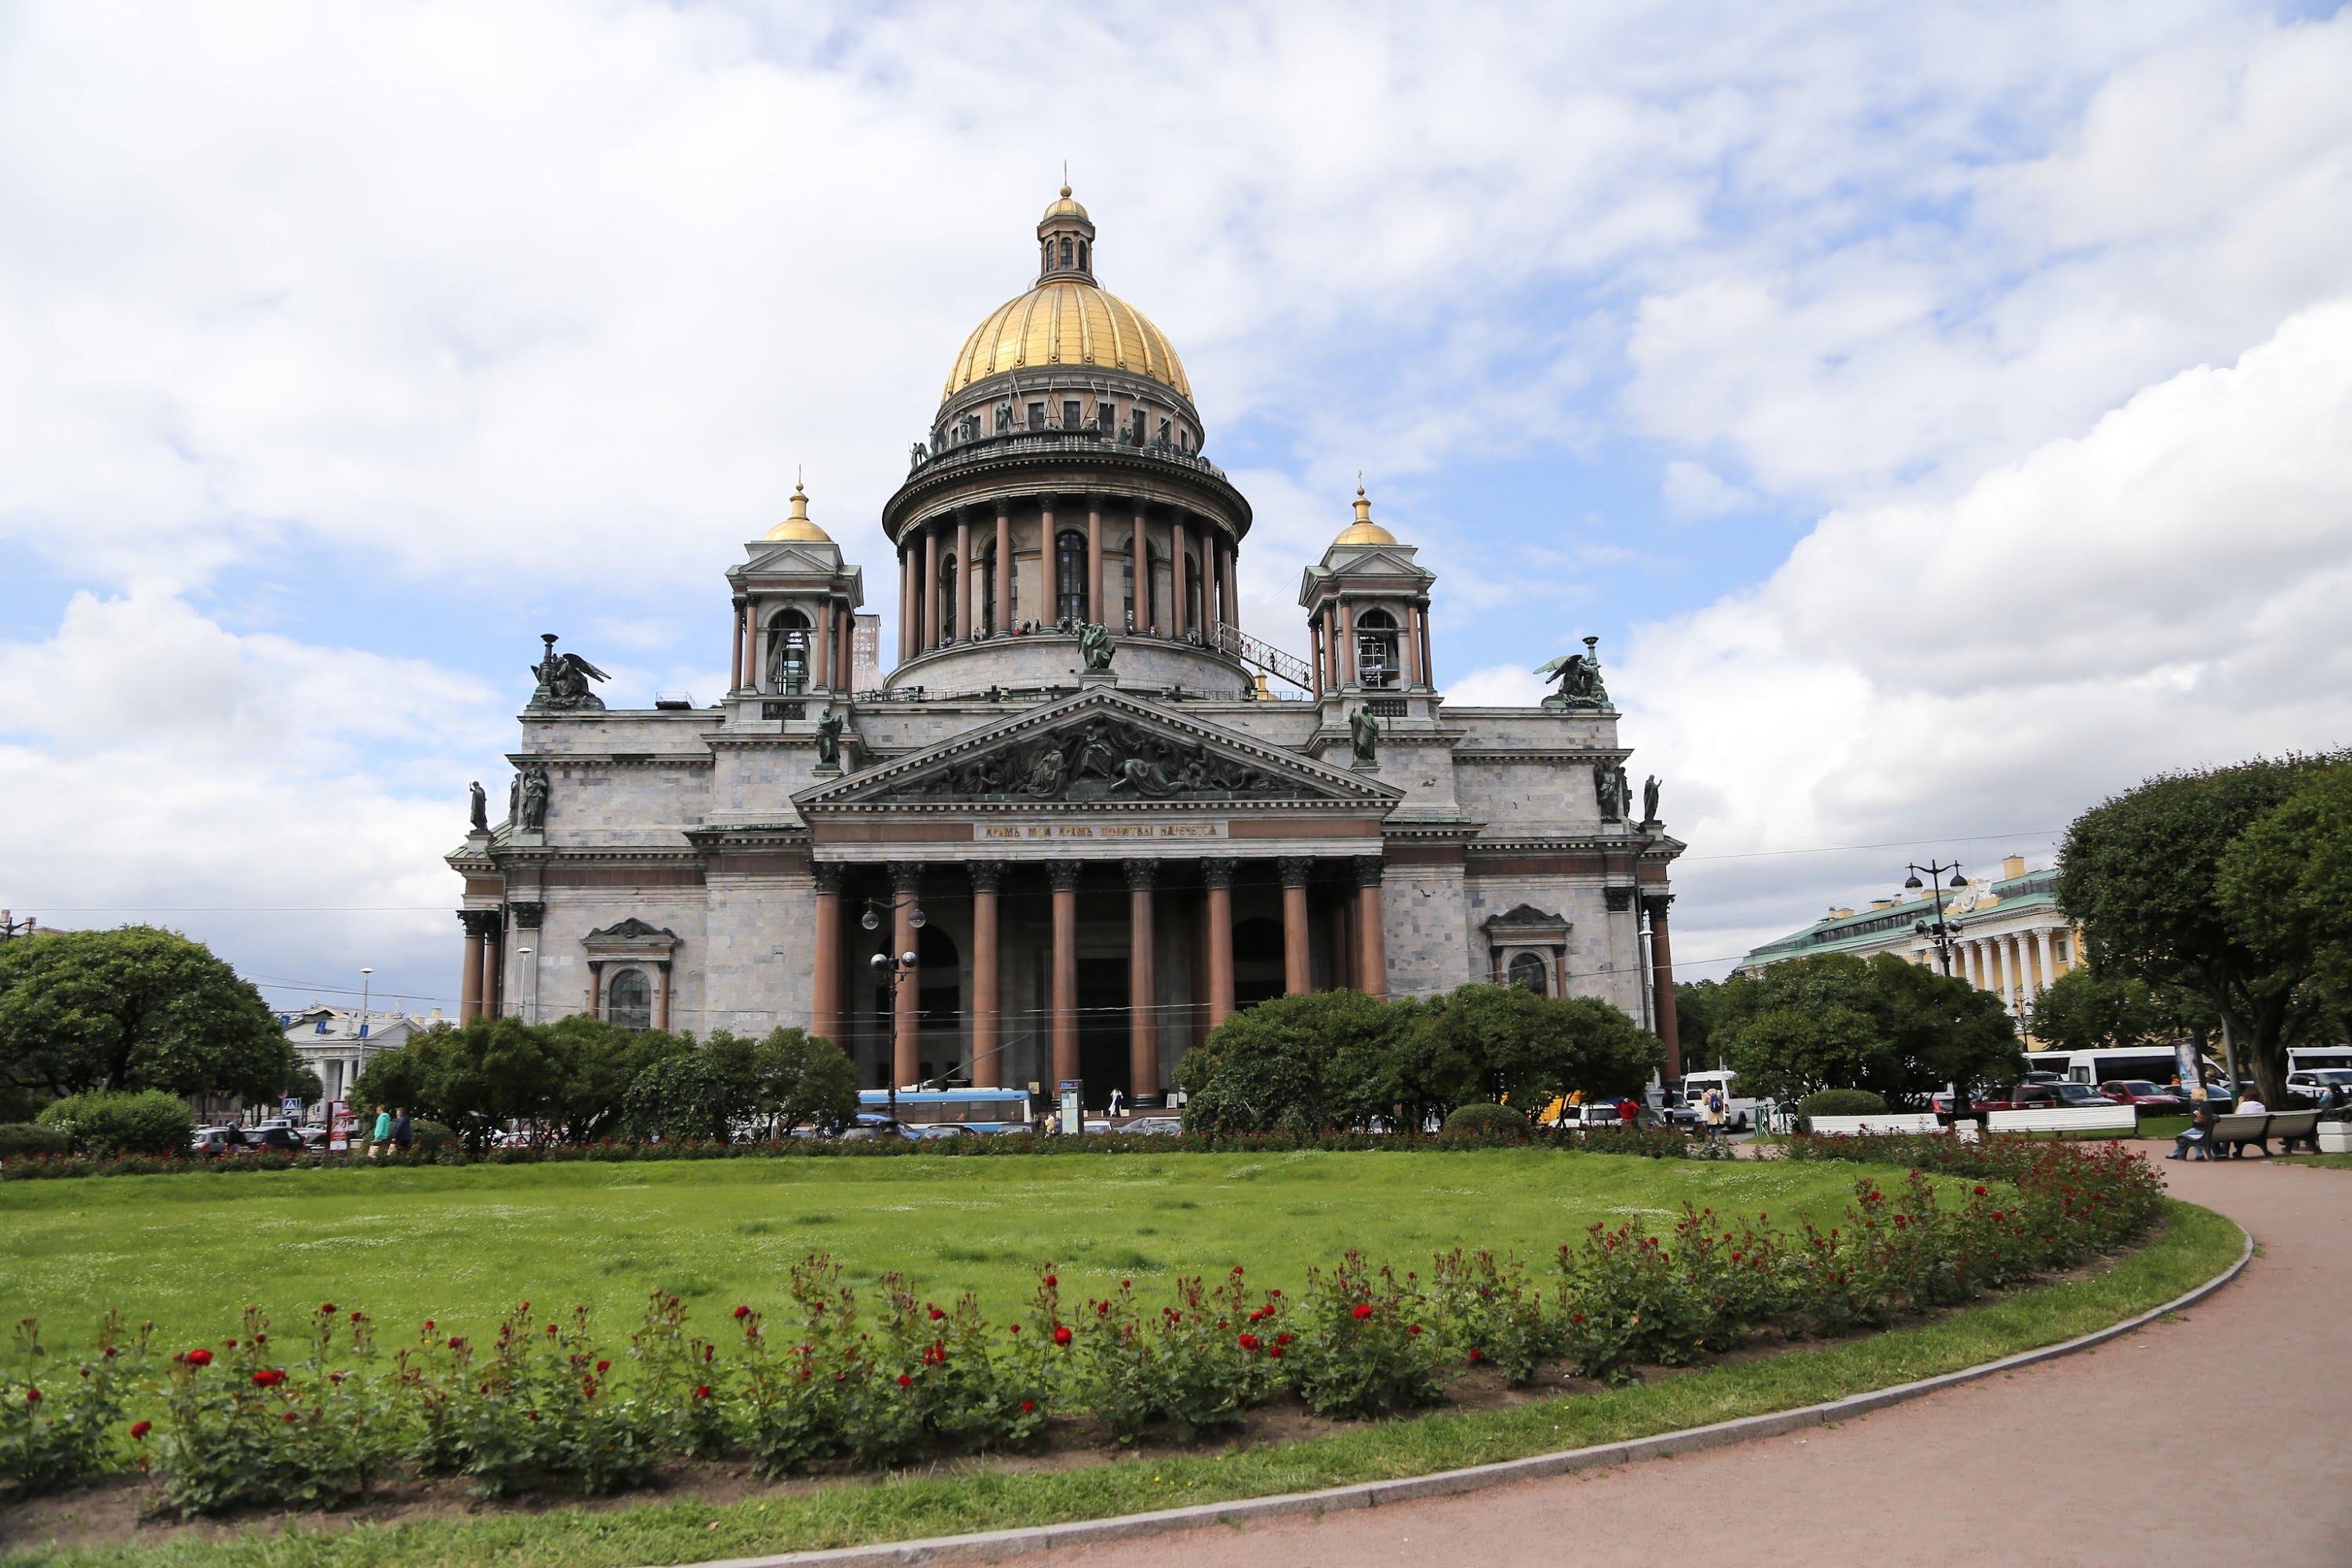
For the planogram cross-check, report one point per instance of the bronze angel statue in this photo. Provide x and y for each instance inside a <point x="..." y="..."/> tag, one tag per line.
<point x="563" y="681"/>
<point x="1580" y="678"/>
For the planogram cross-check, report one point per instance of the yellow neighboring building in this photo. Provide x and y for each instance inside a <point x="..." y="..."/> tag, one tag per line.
<point x="2012" y="938"/>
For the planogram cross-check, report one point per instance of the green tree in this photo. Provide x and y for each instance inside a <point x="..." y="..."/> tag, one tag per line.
<point x="475" y="1079"/>
<point x="135" y="1008"/>
<point x="105" y="1123"/>
<point x="1900" y="1030"/>
<point x="1527" y="1050"/>
<point x="596" y="1060"/>
<point x="1698" y="1004"/>
<point x="685" y="1096"/>
<point x="2286" y="884"/>
<point x="803" y="1080"/>
<point x="1303" y="1064"/>
<point x="2091" y="1008"/>
<point x="2142" y="873"/>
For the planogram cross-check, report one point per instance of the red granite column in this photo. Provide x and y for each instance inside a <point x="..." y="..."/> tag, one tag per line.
<point x="906" y="1019"/>
<point x="1048" y="569"/>
<point x="735" y="677"/>
<point x="1181" y="609"/>
<point x="987" y="877"/>
<point x="1064" y="875"/>
<point x="930" y="586"/>
<point x="1142" y="988"/>
<point x="1293" y="869"/>
<point x="470" y="973"/>
<point x="493" y="969"/>
<point x="661" y="994"/>
<point x="1003" y="569"/>
<point x="1371" y="939"/>
<point x="824" y="956"/>
<point x="1662" y="982"/>
<point x="963" y="622"/>
<point x="1219" y="876"/>
<point x="1094" y="610"/>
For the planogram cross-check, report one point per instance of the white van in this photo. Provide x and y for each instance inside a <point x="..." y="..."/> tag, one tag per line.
<point x="1739" y="1113"/>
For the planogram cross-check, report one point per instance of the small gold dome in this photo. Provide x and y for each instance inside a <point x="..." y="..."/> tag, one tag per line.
<point x="1065" y="207"/>
<point x="797" y="528"/>
<point x="1065" y="321"/>
<point x="1364" y="531"/>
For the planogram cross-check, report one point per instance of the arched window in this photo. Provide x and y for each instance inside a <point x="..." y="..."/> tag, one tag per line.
<point x="629" y="1000"/>
<point x="787" y="651"/>
<point x="1070" y="578"/>
<point x="947" y="598"/>
<point x="1066" y="251"/>
<point x="1527" y="972"/>
<point x="1375" y="648"/>
<point x="1082" y="255"/>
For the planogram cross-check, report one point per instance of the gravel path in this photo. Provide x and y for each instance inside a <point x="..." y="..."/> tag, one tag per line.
<point x="2232" y="1417"/>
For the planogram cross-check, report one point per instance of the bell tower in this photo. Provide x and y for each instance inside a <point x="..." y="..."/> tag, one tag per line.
<point x="1066" y="240"/>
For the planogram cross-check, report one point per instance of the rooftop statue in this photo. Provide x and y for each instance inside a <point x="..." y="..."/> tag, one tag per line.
<point x="1650" y="798"/>
<point x="1580" y="678"/>
<point x="1096" y="647"/>
<point x="563" y="681"/>
<point x="481" y="806"/>
<point x="1364" y="735"/>
<point x="828" y="738"/>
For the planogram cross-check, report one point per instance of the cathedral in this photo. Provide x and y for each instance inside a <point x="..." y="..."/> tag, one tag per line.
<point x="1098" y="815"/>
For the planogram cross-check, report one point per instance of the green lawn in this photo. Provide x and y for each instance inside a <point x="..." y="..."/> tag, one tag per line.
<point x="460" y="1245"/>
<point x="2195" y="1246"/>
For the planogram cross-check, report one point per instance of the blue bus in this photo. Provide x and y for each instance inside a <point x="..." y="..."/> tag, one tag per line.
<point x="974" y="1110"/>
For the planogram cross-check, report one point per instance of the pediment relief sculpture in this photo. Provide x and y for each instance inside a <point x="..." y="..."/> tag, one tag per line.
<point x="1101" y="758"/>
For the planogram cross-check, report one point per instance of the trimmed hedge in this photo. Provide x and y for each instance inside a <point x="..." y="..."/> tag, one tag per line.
<point x="1484" y="1118"/>
<point x="827" y="1376"/>
<point x="21" y="1138"/>
<point x="1839" y="1102"/>
<point x="105" y="1124"/>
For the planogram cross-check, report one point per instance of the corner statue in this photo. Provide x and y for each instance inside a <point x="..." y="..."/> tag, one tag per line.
<point x="829" y="738"/>
<point x="563" y="681"/>
<point x="1650" y="799"/>
<point x="532" y="818"/>
<point x="1363" y="736"/>
<point x="1580" y="678"/>
<point x="481" y="805"/>
<point x="1096" y="647"/>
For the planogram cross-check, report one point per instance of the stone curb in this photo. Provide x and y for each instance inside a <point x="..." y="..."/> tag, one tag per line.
<point x="991" y="1545"/>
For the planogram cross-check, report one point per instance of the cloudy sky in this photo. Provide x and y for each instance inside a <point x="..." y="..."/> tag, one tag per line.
<point x="1943" y="416"/>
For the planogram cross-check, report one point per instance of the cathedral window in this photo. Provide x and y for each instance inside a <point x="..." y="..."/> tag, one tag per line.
<point x="1036" y="416"/>
<point x="1083" y="263"/>
<point x="1375" y="648"/>
<point x="788" y="652"/>
<point x="1070" y="578"/>
<point x="1070" y="420"/>
<point x="629" y="1000"/>
<point x="1066" y="252"/>
<point x="1527" y="972"/>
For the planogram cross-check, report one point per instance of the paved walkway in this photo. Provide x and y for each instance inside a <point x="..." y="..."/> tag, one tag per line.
<point x="2225" y="1426"/>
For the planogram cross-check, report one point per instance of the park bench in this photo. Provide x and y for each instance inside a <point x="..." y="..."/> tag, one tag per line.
<point x="1883" y="1122"/>
<point x="2290" y="1127"/>
<point x="2065" y="1119"/>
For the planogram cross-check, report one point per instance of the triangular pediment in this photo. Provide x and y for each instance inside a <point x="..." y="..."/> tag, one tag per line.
<point x="1101" y="747"/>
<point x="790" y="558"/>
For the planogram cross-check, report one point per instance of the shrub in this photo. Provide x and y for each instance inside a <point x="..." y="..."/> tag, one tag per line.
<point x="1484" y="1118"/>
<point x="431" y="1137"/>
<point x="1488" y="1317"/>
<point x="1839" y="1102"/>
<point x="105" y="1123"/>
<point x="22" y="1138"/>
<point x="57" y="1417"/>
<point x="1198" y="1365"/>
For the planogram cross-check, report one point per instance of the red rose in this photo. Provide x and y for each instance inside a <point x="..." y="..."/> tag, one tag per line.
<point x="1476" y="1353"/>
<point x="1016" y="1327"/>
<point x="1275" y="1351"/>
<point x="1061" y="1333"/>
<point x="267" y="1377"/>
<point x="200" y="1358"/>
<point x="906" y="1381"/>
<point x="1981" y="1192"/>
<point x="1412" y="1328"/>
<point x="428" y="1325"/>
<point x="524" y="1308"/>
<point x="1576" y="1318"/>
<point x="230" y="1345"/>
<point x="936" y="1314"/>
<point x="457" y="1342"/>
<point x="138" y="1429"/>
<point x="1051" y="1281"/>
<point x="603" y="1367"/>
<point x="550" y="1328"/>
<point x="287" y="1417"/>
<point x="1363" y="1310"/>
<point x="1028" y="1407"/>
<point x="702" y="1390"/>
<point x="743" y="1312"/>
<point x="32" y="1396"/>
<point x="1247" y="1342"/>
<point x="261" y="1339"/>
<point x="327" y="1308"/>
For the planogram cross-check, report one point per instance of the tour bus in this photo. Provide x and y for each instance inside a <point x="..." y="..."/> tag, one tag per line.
<point x="2301" y="1058"/>
<point x="1739" y="1109"/>
<point x="974" y="1110"/>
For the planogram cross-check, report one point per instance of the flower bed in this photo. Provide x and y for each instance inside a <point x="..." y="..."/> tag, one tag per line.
<point x="827" y="1379"/>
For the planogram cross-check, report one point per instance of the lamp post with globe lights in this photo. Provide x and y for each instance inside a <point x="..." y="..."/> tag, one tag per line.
<point x="1939" y="930"/>
<point x="892" y="969"/>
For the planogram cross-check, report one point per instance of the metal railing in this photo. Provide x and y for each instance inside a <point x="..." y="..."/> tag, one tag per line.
<point x="1015" y="443"/>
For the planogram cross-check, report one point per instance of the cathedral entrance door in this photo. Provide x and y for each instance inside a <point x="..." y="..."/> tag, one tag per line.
<point x="1102" y="1028"/>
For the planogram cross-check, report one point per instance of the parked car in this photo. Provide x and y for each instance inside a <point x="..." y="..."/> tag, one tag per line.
<point x="277" y="1139"/>
<point x="2311" y="1084"/>
<point x="1980" y="1101"/>
<point x="1161" y="1125"/>
<point x="873" y="1124"/>
<point x="2044" y="1096"/>
<point x="2081" y="1097"/>
<point x="2149" y="1096"/>
<point x="215" y="1142"/>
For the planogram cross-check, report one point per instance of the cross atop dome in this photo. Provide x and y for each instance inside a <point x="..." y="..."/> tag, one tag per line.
<point x="1065" y="239"/>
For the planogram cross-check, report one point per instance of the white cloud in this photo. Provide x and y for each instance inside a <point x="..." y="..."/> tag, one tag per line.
<point x="2165" y="589"/>
<point x="1693" y="489"/>
<point x="1497" y="686"/>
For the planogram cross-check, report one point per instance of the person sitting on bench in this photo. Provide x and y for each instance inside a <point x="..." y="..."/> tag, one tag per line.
<point x="2197" y="1138"/>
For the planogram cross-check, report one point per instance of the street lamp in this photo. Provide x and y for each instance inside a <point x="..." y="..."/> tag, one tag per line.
<point x="1939" y="930"/>
<point x="528" y="1006"/>
<point x="891" y="969"/>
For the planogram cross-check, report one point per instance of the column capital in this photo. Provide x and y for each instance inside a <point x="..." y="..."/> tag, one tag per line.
<point x="1654" y="904"/>
<point x="478" y="922"/>
<point x="1218" y="871"/>
<point x="906" y="876"/>
<point x="1048" y="499"/>
<point x="827" y="875"/>
<point x="1370" y="870"/>
<point x="742" y="601"/>
<point x="1619" y="899"/>
<point x="528" y="915"/>
<point x="987" y="876"/>
<point x="1063" y="875"/>
<point x="1295" y="869"/>
<point x="1142" y="875"/>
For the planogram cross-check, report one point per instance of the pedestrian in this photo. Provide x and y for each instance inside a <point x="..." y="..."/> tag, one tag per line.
<point x="1117" y="1099"/>
<point x="400" y="1130"/>
<point x="1717" y="1110"/>
<point x="1629" y="1111"/>
<point x="382" y="1132"/>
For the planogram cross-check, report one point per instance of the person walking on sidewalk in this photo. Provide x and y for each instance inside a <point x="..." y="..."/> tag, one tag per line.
<point x="381" y="1134"/>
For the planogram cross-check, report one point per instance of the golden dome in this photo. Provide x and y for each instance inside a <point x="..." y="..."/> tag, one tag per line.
<point x="797" y="528"/>
<point x="1064" y="322"/>
<point x="1065" y="207"/>
<point x="1364" y="531"/>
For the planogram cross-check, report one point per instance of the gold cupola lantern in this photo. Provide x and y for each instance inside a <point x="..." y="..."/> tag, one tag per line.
<point x="797" y="528"/>
<point x="1364" y="531"/>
